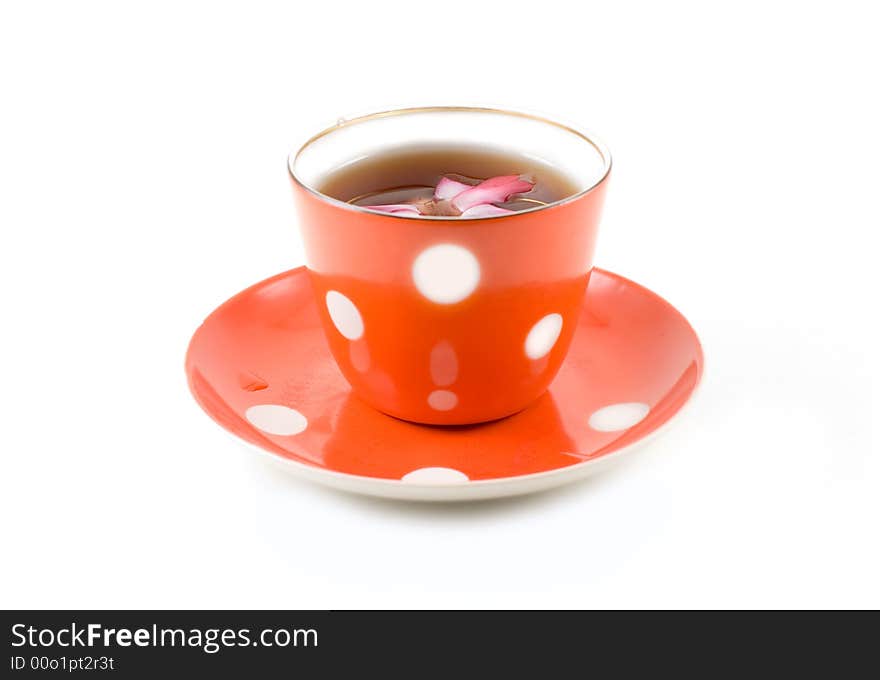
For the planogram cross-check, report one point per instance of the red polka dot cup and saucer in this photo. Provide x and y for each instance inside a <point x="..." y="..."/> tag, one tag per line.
<point x="444" y="356"/>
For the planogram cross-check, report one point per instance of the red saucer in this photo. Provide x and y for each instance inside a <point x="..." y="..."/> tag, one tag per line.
<point x="260" y="367"/>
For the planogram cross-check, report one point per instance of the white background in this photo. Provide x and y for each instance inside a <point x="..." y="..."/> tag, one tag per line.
<point x="143" y="181"/>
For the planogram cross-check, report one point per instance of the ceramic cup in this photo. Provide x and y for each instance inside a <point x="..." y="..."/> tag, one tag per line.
<point x="444" y="320"/>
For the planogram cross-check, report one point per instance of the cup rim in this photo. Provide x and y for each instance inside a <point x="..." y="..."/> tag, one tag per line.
<point x="591" y="139"/>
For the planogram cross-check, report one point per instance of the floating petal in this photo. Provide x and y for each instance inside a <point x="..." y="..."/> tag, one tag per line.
<point x="486" y="210"/>
<point x="449" y="188"/>
<point x="493" y="190"/>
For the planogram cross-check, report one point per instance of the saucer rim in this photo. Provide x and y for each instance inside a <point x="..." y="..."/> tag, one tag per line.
<point x="478" y="489"/>
<point x="471" y="490"/>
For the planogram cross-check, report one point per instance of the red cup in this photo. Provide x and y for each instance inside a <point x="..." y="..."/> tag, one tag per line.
<point x="443" y="320"/>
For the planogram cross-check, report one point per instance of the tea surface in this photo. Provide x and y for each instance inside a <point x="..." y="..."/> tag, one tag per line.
<point x="410" y="175"/>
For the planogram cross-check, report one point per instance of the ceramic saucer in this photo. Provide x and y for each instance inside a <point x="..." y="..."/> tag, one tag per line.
<point x="260" y="367"/>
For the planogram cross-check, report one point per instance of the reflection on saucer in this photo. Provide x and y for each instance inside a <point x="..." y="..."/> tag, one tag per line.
<point x="367" y="442"/>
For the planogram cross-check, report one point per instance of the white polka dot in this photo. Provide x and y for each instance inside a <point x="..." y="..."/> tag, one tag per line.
<point x="435" y="476"/>
<point x="345" y="315"/>
<point x="442" y="400"/>
<point x="446" y="273"/>
<point x="276" y="419"/>
<point x="618" y="416"/>
<point x="543" y="336"/>
<point x="444" y="364"/>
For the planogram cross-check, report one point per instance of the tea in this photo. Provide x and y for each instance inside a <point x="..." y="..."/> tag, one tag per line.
<point x="448" y="181"/>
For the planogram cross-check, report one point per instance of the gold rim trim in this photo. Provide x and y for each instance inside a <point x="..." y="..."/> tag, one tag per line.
<point x="348" y="122"/>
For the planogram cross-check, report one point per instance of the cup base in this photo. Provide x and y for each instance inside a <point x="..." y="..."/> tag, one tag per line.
<point x="442" y="422"/>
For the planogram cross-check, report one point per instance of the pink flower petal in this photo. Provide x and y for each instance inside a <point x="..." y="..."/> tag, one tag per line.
<point x="486" y="210"/>
<point x="493" y="190"/>
<point x="449" y="188"/>
<point x="395" y="208"/>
